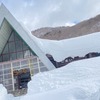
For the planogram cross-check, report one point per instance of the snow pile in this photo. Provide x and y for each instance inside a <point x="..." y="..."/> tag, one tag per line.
<point x="4" y="95"/>
<point x="84" y="74"/>
<point x="73" y="94"/>
<point x="95" y="96"/>
<point x="79" y="80"/>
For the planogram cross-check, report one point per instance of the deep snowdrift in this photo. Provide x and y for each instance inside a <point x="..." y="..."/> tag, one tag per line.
<point x="79" y="80"/>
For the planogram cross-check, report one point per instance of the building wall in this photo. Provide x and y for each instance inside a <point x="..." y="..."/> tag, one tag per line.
<point x="7" y="78"/>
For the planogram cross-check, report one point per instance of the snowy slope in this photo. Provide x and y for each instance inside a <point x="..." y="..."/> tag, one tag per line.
<point x="84" y="73"/>
<point x="70" y="47"/>
<point x="77" y="81"/>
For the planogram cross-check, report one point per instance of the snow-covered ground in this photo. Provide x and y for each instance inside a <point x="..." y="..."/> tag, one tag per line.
<point x="79" y="80"/>
<point x="4" y="95"/>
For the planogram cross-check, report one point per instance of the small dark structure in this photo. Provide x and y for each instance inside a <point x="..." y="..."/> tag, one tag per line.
<point x="70" y="59"/>
<point x="61" y="63"/>
<point x="92" y="54"/>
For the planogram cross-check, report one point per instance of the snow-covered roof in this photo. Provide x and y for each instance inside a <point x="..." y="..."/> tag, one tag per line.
<point x="26" y="36"/>
<point x="79" y="46"/>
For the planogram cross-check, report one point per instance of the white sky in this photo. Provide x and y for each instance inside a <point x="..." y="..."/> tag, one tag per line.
<point x="50" y="13"/>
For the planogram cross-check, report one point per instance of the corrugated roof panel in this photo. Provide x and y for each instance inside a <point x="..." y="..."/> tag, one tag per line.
<point x="5" y="32"/>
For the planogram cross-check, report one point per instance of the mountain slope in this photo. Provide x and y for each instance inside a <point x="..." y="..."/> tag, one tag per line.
<point x="85" y="27"/>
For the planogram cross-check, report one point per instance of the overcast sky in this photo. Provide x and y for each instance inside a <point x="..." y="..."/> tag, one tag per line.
<point x="50" y="13"/>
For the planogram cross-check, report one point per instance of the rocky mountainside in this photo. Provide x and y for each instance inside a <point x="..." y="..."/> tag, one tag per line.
<point x="85" y="27"/>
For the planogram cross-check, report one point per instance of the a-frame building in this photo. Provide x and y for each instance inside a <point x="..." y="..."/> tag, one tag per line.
<point x="18" y="50"/>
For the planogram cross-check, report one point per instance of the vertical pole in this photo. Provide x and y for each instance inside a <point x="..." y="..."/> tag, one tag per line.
<point x="12" y="77"/>
<point x="38" y="64"/>
<point x="3" y="74"/>
<point x="30" y="67"/>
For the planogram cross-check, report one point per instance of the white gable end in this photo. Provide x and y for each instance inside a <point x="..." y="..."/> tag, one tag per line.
<point x="28" y="38"/>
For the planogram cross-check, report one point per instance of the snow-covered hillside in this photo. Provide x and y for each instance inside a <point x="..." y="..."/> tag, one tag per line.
<point x="58" y="33"/>
<point x="70" y="47"/>
<point x="79" y="80"/>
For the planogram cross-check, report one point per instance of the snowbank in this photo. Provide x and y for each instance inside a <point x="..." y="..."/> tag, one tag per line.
<point x="64" y="94"/>
<point x="84" y="73"/>
<point x="79" y="80"/>
<point x="59" y="94"/>
<point x="4" y="95"/>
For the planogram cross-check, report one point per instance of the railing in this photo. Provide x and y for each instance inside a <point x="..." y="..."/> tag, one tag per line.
<point x="7" y="68"/>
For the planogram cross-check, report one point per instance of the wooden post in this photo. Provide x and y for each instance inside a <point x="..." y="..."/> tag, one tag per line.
<point x="38" y="64"/>
<point x="12" y="77"/>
